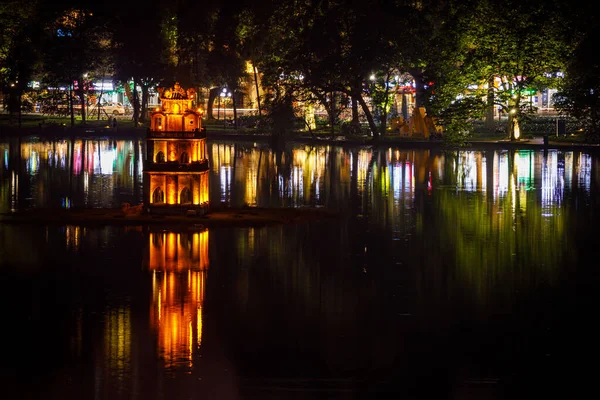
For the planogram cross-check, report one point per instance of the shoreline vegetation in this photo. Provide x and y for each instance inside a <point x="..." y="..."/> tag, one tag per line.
<point x="216" y="131"/>
<point x="134" y="216"/>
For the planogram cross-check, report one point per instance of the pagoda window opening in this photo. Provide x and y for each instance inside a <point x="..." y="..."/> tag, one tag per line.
<point x="184" y="158"/>
<point x="185" y="197"/>
<point x="160" y="157"/>
<point x="158" y="196"/>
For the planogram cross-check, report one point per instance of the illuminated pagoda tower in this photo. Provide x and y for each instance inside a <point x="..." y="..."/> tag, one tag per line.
<point x="176" y="166"/>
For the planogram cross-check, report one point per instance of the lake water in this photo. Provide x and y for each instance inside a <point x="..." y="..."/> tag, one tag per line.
<point x="450" y="274"/>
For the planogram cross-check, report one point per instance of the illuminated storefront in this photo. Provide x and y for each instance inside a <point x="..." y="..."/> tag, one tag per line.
<point x="176" y="167"/>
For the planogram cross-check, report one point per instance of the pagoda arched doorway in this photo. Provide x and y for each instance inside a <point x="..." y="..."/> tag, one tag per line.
<point x="184" y="158"/>
<point x="158" y="196"/>
<point x="185" y="197"/>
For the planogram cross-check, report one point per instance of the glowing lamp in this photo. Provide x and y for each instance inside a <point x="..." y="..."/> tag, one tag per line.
<point x="160" y="127"/>
<point x="157" y="109"/>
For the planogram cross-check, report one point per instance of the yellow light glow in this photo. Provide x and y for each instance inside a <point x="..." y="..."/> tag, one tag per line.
<point x="517" y="130"/>
<point x="172" y="149"/>
<point x="159" y="304"/>
<point x="157" y="109"/>
<point x="199" y="325"/>
<point x="204" y="188"/>
<point x="190" y="342"/>
<point x="176" y="313"/>
<point x="171" y="197"/>
<point x="118" y="340"/>
<point x="171" y="246"/>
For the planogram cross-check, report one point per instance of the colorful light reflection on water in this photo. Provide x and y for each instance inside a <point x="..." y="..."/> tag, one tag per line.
<point x="447" y="266"/>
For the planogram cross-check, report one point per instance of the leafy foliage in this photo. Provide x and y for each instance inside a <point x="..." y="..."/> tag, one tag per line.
<point x="580" y="92"/>
<point x="518" y="42"/>
<point x="19" y="50"/>
<point x="464" y="56"/>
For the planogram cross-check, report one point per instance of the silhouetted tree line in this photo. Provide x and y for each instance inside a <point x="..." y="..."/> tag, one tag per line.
<point x="465" y="57"/>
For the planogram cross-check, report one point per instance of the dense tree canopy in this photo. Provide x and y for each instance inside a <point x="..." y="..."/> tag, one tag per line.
<point x="580" y="90"/>
<point x="463" y="56"/>
<point x="19" y="50"/>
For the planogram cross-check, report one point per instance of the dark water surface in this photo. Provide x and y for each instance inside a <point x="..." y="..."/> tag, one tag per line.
<point x="451" y="274"/>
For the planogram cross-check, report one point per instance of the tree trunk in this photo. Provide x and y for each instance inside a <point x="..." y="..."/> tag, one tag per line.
<point x="81" y="95"/>
<point x="235" y="125"/>
<point x="145" y="95"/>
<point x="332" y="115"/>
<point x="384" y="112"/>
<point x="256" y="86"/>
<point x="405" y="107"/>
<point x="489" y="117"/>
<point x="419" y="88"/>
<point x="71" y="111"/>
<point x="20" y="101"/>
<point x="136" y="103"/>
<point x="355" y="121"/>
<point x="100" y="97"/>
<point x="513" y="115"/>
<point x="212" y="95"/>
<point x="369" y="116"/>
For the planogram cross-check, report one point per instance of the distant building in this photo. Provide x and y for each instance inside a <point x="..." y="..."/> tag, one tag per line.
<point x="176" y="165"/>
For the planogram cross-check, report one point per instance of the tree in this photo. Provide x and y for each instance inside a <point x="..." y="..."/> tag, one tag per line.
<point x="19" y="51"/>
<point x="334" y="46"/>
<point x="580" y="92"/>
<point x="209" y="52"/>
<point x="253" y="33"/>
<point x="515" y="43"/>
<point x="196" y="30"/>
<point x="75" y="47"/>
<point x="141" y="58"/>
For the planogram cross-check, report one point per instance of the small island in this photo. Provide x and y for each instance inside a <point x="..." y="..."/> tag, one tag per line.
<point x="223" y="217"/>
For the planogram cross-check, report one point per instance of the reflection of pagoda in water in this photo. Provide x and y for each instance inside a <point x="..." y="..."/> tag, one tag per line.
<point x="176" y="168"/>
<point x="179" y="265"/>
